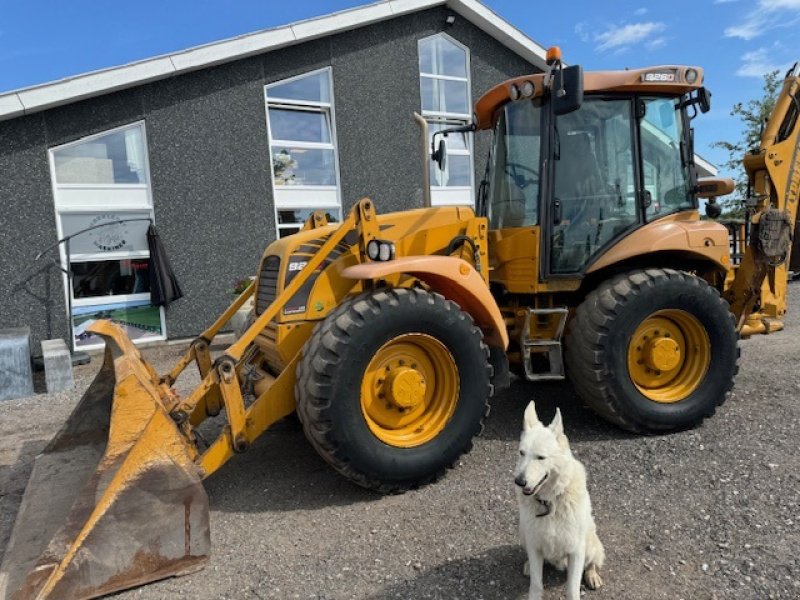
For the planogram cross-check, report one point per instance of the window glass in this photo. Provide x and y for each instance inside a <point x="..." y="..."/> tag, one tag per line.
<point x="440" y="56"/>
<point x="303" y="166"/>
<point x="594" y="192"/>
<point x="444" y="96"/>
<point x="514" y="169"/>
<point x="109" y="264"/>
<point x="445" y="101"/>
<point x="291" y="220"/>
<point x="666" y="173"/>
<point x="113" y="158"/>
<point x="301" y="215"/>
<point x="456" y="172"/>
<point x="455" y="141"/>
<point x="302" y="150"/>
<point x="138" y="318"/>
<point x="110" y="235"/>
<point x="110" y="277"/>
<point x="299" y="125"/>
<point x="311" y="88"/>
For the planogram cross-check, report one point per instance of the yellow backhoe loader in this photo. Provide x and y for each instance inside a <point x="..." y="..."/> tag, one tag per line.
<point x="388" y="333"/>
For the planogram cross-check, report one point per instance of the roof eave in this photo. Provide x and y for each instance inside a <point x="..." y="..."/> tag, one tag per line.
<point x="97" y="83"/>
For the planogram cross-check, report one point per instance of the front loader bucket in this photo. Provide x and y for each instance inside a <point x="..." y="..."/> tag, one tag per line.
<point x="115" y="499"/>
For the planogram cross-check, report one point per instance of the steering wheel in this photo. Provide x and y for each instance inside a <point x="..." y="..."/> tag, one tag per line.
<point x="512" y="169"/>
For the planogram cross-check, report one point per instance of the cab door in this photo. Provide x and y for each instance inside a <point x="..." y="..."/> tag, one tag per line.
<point x="594" y="192"/>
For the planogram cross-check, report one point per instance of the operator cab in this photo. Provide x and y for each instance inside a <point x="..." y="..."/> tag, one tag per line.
<point x="589" y="158"/>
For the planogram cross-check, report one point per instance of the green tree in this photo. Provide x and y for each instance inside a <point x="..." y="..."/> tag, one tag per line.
<point x="753" y="116"/>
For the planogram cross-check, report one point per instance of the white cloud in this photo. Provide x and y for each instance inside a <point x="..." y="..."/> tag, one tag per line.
<point x="758" y="62"/>
<point x="640" y="11"/>
<point x="769" y="15"/>
<point x="581" y="30"/>
<point x="779" y="4"/>
<point x="621" y="37"/>
<point x="724" y="1"/>
<point x="656" y="43"/>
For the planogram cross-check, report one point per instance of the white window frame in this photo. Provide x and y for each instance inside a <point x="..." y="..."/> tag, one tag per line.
<point x="451" y="195"/>
<point x="304" y="197"/>
<point x="91" y="198"/>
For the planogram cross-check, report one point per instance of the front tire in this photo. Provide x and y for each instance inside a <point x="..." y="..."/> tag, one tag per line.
<point x="392" y="387"/>
<point x="653" y="350"/>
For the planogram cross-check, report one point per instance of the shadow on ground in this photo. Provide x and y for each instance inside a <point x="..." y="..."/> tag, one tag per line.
<point x="496" y="573"/>
<point x="281" y="472"/>
<point x="581" y="424"/>
<point x="284" y="473"/>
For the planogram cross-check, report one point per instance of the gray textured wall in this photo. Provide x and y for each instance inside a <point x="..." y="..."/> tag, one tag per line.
<point x="209" y="159"/>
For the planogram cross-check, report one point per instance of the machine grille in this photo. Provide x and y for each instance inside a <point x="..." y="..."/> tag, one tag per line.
<point x="267" y="283"/>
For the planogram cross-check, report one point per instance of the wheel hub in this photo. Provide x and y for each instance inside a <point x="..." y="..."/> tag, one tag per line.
<point x="410" y="390"/>
<point x="668" y="355"/>
<point x="405" y="387"/>
<point x="662" y="354"/>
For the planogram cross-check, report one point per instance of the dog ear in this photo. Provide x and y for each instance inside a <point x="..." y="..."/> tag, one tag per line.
<point x="531" y="419"/>
<point x="557" y="424"/>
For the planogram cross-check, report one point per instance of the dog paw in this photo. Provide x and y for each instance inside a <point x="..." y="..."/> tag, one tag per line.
<point x="526" y="569"/>
<point x="592" y="578"/>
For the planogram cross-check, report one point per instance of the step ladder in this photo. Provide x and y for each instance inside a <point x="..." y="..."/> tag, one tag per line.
<point x="551" y="347"/>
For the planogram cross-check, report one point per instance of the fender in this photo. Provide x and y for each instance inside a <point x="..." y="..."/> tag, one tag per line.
<point x="453" y="278"/>
<point x="684" y="232"/>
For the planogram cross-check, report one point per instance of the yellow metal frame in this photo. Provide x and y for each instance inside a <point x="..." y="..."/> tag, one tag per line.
<point x="454" y="277"/>
<point x="774" y="174"/>
<point x="221" y="384"/>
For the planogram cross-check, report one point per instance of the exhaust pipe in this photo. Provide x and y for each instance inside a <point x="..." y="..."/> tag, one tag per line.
<point x="426" y="163"/>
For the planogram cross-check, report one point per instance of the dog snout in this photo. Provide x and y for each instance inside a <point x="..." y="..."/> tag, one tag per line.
<point x="520" y="481"/>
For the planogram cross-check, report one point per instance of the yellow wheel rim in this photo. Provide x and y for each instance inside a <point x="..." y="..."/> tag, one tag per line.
<point x="668" y="355"/>
<point x="409" y="390"/>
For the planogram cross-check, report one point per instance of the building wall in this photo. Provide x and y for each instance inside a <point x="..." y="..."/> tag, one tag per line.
<point x="209" y="158"/>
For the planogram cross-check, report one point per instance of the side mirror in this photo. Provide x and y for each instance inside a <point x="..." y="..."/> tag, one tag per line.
<point x="711" y="187"/>
<point x="704" y="100"/>
<point x="713" y="210"/>
<point x="439" y="154"/>
<point x="567" y="90"/>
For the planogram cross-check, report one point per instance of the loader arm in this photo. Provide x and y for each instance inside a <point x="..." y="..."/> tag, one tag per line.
<point x="115" y="500"/>
<point x="758" y="293"/>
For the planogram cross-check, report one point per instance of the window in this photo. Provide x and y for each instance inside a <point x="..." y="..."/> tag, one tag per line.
<point x="303" y="157"/>
<point x="99" y="181"/>
<point x="594" y="192"/>
<point x="514" y="166"/>
<point x="664" y="161"/>
<point x="445" y="94"/>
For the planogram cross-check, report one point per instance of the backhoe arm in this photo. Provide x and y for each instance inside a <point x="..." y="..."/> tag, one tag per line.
<point x="774" y="184"/>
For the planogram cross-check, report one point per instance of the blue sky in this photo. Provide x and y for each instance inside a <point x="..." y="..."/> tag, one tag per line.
<point x="736" y="41"/>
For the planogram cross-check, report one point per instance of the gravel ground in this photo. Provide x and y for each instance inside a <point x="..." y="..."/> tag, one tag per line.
<point x="705" y="514"/>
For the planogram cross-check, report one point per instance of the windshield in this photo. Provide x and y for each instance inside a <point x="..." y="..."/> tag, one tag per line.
<point x="513" y="178"/>
<point x="664" y="158"/>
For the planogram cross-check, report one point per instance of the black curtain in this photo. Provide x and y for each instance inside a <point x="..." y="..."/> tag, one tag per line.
<point x="164" y="288"/>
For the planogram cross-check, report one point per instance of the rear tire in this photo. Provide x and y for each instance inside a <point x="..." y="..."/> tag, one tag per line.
<point x="615" y="366"/>
<point x="353" y="414"/>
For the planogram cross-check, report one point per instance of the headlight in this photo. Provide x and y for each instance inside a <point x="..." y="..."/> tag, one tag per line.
<point x="513" y="92"/>
<point x="380" y="250"/>
<point x="527" y="89"/>
<point x="691" y="76"/>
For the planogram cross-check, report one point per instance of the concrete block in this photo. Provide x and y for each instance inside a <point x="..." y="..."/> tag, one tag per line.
<point x="57" y="366"/>
<point x="16" y="379"/>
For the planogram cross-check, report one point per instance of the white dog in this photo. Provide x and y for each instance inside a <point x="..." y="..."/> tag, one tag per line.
<point x="555" y="513"/>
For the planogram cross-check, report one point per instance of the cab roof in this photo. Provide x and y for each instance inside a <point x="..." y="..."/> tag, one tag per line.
<point x="665" y="79"/>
